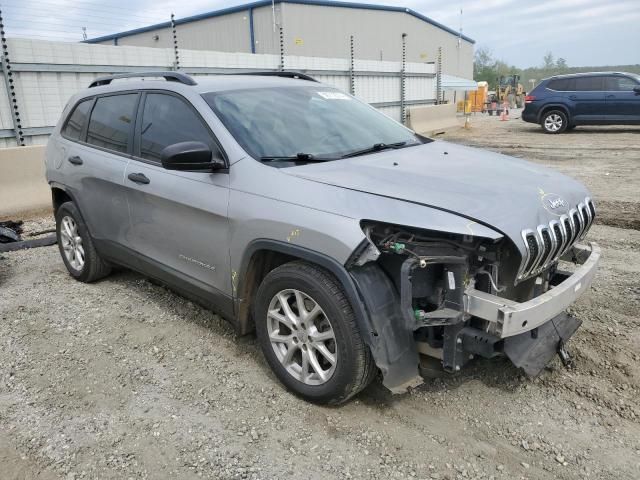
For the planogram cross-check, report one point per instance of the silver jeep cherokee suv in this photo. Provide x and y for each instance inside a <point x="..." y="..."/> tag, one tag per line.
<point x="349" y="243"/>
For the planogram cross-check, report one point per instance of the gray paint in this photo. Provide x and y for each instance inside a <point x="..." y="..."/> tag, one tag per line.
<point x="198" y="227"/>
<point x="317" y="206"/>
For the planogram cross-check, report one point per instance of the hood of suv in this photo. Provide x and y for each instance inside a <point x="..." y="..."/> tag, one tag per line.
<point x="505" y="193"/>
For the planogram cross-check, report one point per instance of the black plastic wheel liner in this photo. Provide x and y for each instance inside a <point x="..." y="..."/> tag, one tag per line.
<point x="533" y="350"/>
<point x="392" y="344"/>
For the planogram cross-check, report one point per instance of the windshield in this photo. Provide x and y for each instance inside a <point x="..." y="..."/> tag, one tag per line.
<point x="316" y="122"/>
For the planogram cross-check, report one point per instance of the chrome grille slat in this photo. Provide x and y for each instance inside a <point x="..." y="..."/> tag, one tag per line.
<point x="557" y="237"/>
<point x="548" y="242"/>
<point x="586" y="215"/>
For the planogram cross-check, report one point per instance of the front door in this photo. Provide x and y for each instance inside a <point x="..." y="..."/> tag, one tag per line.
<point x="179" y="227"/>
<point x="622" y="103"/>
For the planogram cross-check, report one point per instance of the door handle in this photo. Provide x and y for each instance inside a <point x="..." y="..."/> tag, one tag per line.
<point x="611" y="96"/>
<point x="573" y="97"/>
<point x="75" y="160"/>
<point x="139" y="178"/>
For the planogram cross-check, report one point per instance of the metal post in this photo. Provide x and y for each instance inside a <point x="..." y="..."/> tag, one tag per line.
<point x="9" y="84"/>
<point x="176" y="61"/>
<point x="403" y="81"/>
<point x="439" y="77"/>
<point x="352" y="76"/>
<point x="281" y="67"/>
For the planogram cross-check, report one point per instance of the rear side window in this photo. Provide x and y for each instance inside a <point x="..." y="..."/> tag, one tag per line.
<point x="589" y="84"/>
<point x="620" y="84"/>
<point x="75" y="124"/>
<point x="561" y="84"/>
<point x="111" y="122"/>
<point x="166" y="120"/>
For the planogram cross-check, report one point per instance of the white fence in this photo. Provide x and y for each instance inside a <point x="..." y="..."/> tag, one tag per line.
<point x="45" y="74"/>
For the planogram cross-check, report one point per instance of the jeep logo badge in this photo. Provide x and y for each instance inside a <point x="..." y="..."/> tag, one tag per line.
<point x="552" y="202"/>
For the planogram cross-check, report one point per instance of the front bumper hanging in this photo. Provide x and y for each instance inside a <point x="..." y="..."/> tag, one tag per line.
<point x="513" y="318"/>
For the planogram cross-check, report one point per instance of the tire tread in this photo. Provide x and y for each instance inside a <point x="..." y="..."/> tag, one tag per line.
<point x="365" y="368"/>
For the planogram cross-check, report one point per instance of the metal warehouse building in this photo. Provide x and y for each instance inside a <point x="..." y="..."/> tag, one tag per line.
<point x="313" y="28"/>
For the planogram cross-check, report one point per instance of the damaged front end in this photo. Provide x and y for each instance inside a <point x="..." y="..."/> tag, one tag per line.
<point x="453" y="297"/>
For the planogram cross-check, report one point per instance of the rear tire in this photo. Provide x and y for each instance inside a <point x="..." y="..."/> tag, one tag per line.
<point x="287" y="335"/>
<point x="76" y="246"/>
<point x="554" y="121"/>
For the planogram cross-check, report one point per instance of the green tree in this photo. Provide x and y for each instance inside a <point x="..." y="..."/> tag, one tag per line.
<point x="561" y="64"/>
<point x="548" y="61"/>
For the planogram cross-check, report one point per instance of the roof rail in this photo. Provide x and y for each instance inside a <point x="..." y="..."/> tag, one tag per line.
<point x="286" y="74"/>
<point x="168" y="76"/>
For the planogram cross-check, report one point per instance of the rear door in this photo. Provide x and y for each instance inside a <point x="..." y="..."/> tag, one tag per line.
<point x="100" y="139"/>
<point x="179" y="226"/>
<point x="588" y="99"/>
<point x="622" y="103"/>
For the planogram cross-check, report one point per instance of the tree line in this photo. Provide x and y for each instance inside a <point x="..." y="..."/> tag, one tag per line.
<point x="487" y="68"/>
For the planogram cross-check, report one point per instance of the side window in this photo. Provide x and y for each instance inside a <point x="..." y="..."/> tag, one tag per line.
<point x="620" y="84"/>
<point x="111" y="121"/>
<point x="561" y="84"/>
<point x="589" y="84"/>
<point x="76" y="121"/>
<point x="166" y="120"/>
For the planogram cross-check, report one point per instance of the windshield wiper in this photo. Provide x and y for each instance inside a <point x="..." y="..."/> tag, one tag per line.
<point x="375" y="148"/>
<point x="299" y="157"/>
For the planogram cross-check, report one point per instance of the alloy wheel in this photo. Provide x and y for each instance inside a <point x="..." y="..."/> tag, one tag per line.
<point x="553" y="122"/>
<point x="72" y="243"/>
<point x="302" y="337"/>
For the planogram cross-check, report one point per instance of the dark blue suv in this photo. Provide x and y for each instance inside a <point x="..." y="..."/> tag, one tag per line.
<point x="602" y="98"/>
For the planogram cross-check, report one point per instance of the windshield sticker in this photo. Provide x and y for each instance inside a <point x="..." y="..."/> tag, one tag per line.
<point x="334" y="95"/>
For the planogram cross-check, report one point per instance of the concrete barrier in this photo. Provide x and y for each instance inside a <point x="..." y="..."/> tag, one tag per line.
<point x="433" y="119"/>
<point x="23" y="188"/>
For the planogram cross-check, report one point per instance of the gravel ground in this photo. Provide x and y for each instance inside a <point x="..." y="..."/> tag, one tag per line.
<point x="124" y="379"/>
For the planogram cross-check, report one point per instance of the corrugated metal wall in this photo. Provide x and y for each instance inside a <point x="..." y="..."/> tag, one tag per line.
<point x="46" y="74"/>
<point x="321" y="31"/>
<point x="229" y="33"/>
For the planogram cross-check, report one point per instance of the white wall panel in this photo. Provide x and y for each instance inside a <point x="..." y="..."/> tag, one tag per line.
<point x="62" y="69"/>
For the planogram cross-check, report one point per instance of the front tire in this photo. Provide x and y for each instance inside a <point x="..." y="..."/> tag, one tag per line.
<point x="76" y="246"/>
<point x="307" y="331"/>
<point x="554" y="121"/>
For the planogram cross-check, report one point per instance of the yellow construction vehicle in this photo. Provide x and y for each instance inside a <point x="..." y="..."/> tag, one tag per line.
<point x="510" y="90"/>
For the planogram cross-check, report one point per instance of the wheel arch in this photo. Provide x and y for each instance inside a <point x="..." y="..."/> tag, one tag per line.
<point x="554" y="106"/>
<point x="263" y="255"/>
<point x="370" y="291"/>
<point x="59" y="195"/>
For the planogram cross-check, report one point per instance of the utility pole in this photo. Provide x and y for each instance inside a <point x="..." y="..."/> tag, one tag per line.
<point x="439" y="77"/>
<point x="403" y="81"/>
<point x="9" y="84"/>
<point x="281" y="32"/>
<point x="176" y="61"/>
<point x="352" y="77"/>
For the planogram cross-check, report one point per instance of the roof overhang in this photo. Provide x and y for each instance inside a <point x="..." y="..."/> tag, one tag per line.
<point x="451" y="82"/>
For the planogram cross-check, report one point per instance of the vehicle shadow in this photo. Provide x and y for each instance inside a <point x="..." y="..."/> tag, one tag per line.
<point x="497" y="373"/>
<point x="598" y="130"/>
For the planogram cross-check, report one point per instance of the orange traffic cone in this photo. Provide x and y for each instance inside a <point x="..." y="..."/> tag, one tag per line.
<point x="505" y="115"/>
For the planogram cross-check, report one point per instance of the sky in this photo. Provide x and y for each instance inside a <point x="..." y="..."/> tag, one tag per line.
<point x="520" y="32"/>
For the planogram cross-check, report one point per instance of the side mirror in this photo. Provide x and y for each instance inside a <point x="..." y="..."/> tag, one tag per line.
<point x="190" y="157"/>
<point x="636" y="90"/>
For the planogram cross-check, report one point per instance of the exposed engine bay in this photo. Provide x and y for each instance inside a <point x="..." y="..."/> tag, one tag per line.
<point x="441" y="281"/>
